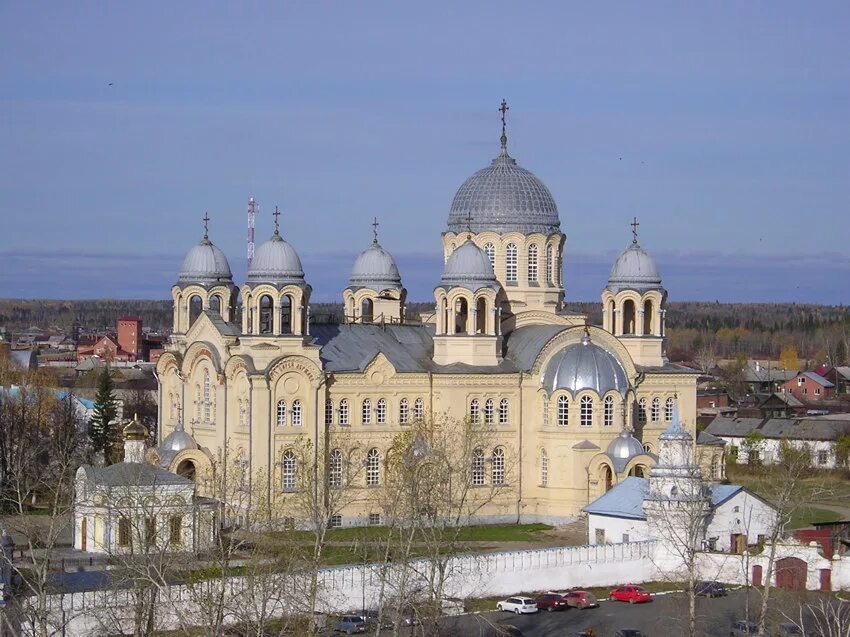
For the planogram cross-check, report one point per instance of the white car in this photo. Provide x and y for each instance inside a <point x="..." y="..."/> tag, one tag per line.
<point x="518" y="605"/>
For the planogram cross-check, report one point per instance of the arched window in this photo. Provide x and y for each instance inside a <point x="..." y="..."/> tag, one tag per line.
<point x="544" y="468"/>
<point x="628" y="317"/>
<point x="461" y="316"/>
<point x="474" y="410"/>
<point x="668" y="410"/>
<point x="381" y="411"/>
<point x="215" y="304"/>
<point x="329" y="412"/>
<point x="286" y="314"/>
<point x="343" y="412"/>
<point x="545" y="411"/>
<point x="563" y="411"/>
<point x="367" y="311"/>
<point x="296" y="413"/>
<point x="497" y="470"/>
<point x="586" y="411"/>
<point x="199" y="404"/>
<point x="335" y="469"/>
<point x="549" y="265"/>
<point x="647" y="317"/>
<point x="266" y="314"/>
<point x="510" y="263"/>
<point x="478" y="467"/>
<point x="647" y="448"/>
<point x="196" y="306"/>
<point x="655" y="410"/>
<point x="642" y="410"/>
<point x="489" y="411"/>
<point x="481" y="316"/>
<point x="207" y="396"/>
<point x="366" y="412"/>
<point x="490" y="251"/>
<point x="403" y="411"/>
<point x="418" y="409"/>
<point x="608" y="411"/>
<point x="373" y="468"/>
<point x="532" y="263"/>
<point x="504" y="411"/>
<point x="281" y="413"/>
<point x="289" y="468"/>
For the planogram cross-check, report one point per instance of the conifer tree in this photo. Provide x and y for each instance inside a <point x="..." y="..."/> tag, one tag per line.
<point x="105" y="411"/>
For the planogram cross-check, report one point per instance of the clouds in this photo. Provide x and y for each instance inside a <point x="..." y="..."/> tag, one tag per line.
<point x="697" y="276"/>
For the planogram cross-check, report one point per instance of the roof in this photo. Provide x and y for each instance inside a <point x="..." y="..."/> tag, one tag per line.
<point x="722" y="492"/>
<point x="842" y="371"/>
<point x="816" y="378"/>
<point x="668" y="368"/>
<point x="783" y="397"/>
<point x="790" y="428"/>
<point x="469" y="267"/>
<point x="767" y="374"/>
<point x="524" y="344"/>
<point x="634" y="269"/>
<point x="124" y="474"/>
<point x="584" y="365"/>
<point x="205" y="264"/>
<point x="276" y="262"/>
<point x="375" y="269"/>
<point x="733" y="427"/>
<point x="705" y="438"/>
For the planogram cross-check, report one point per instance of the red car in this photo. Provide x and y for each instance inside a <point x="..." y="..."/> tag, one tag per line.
<point x="580" y="599"/>
<point x="551" y="601"/>
<point x="630" y="593"/>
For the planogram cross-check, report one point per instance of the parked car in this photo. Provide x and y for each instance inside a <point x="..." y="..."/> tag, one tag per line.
<point x="710" y="589"/>
<point x="743" y="628"/>
<point x="789" y="630"/>
<point x="518" y="605"/>
<point x="629" y="632"/>
<point x="631" y="594"/>
<point x="551" y="601"/>
<point x="580" y="599"/>
<point x="371" y="619"/>
<point x="350" y="624"/>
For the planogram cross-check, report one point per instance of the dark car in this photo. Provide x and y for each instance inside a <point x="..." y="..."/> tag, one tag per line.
<point x="371" y="619"/>
<point x="551" y="601"/>
<point x="743" y="628"/>
<point x="350" y="624"/>
<point x="629" y="632"/>
<point x="710" y="589"/>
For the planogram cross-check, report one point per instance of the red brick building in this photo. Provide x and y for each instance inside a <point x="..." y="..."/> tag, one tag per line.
<point x="130" y="336"/>
<point x="808" y="387"/>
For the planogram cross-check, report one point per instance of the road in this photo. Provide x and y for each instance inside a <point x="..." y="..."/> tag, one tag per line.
<point x="665" y="616"/>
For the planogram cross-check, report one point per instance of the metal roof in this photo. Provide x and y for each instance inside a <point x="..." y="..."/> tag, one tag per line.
<point x="469" y="267"/>
<point x="705" y="438"/>
<point x="584" y="365"/>
<point x="375" y="269"/>
<point x="134" y="474"/>
<point x="790" y="428"/>
<point x="277" y="262"/>
<point x="634" y="269"/>
<point x="817" y="378"/>
<point x="205" y="264"/>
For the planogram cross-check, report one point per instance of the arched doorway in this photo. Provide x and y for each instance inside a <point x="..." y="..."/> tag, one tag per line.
<point x="638" y="471"/>
<point x="791" y="573"/>
<point x="607" y="477"/>
<point x="187" y="470"/>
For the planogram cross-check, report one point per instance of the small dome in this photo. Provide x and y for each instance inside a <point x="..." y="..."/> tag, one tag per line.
<point x="276" y="262"/>
<point x="206" y="264"/>
<point x="634" y="269"/>
<point x="468" y="266"/>
<point x="178" y="440"/>
<point x="375" y="269"/>
<point x="135" y="430"/>
<point x="582" y="366"/>
<point x="675" y="431"/>
<point x="503" y="197"/>
<point x="625" y="446"/>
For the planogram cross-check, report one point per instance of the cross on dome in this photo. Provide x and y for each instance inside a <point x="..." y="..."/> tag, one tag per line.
<point x="375" y="225"/>
<point x="206" y="221"/>
<point x="276" y="215"/>
<point x="503" y="109"/>
<point x="634" y="224"/>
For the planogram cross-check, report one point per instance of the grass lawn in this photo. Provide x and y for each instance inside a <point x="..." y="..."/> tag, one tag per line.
<point x="825" y="487"/>
<point x="808" y="515"/>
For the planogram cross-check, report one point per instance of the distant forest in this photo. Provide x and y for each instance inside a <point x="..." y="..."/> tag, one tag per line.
<point x="814" y="333"/>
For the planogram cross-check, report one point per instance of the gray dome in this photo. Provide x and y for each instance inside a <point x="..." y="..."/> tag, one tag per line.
<point x="469" y="267"/>
<point x="503" y="198"/>
<point x="625" y="446"/>
<point x="276" y="262"/>
<point x="205" y="264"/>
<point x="178" y="440"/>
<point x="634" y="269"/>
<point x="582" y="366"/>
<point x="375" y="269"/>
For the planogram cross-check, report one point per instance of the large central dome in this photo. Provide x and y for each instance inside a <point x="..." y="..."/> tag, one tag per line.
<point x="504" y="197"/>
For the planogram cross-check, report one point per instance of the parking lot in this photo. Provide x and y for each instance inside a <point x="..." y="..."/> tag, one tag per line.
<point x="665" y="616"/>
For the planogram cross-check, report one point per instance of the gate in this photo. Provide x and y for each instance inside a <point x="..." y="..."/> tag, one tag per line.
<point x="791" y="573"/>
<point x="826" y="579"/>
<point x="756" y="574"/>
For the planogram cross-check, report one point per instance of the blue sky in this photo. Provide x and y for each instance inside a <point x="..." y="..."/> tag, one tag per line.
<point x="725" y="127"/>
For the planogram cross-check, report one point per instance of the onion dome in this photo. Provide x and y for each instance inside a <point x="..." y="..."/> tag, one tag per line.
<point x="375" y="269"/>
<point x="468" y="267"/>
<point x="205" y="264"/>
<point x="675" y="431"/>
<point x="584" y="365"/>
<point x="634" y="269"/>
<point x="624" y="447"/>
<point x="504" y="197"/>
<point x="135" y="430"/>
<point x="276" y="262"/>
<point x="178" y="440"/>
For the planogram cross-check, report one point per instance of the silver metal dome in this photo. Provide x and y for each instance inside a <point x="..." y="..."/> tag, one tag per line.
<point x="468" y="267"/>
<point x="504" y="197"/>
<point x="625" y="446"/>
<point x="375" y="269"/>
<point x="205" y="264"/>
<point x="276" y="262"/>
<point x="178" y="440"/>
<point x="634" y="269"/>
<point x="584" y="365"/>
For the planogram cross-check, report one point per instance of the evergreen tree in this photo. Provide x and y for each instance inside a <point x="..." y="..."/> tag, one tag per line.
<point x="105" y="411"/>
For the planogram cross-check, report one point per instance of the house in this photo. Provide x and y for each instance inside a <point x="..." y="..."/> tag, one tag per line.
<point x="761" y="379"/>
<point x="840" y="377"/>
<point x="779" y="405"/>
<point x="756" y="440"/>
<point x="808" y="386"/>
<point x="636" y="509"/>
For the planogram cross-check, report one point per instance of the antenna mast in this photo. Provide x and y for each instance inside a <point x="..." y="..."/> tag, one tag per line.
<point x="252" y="217"/>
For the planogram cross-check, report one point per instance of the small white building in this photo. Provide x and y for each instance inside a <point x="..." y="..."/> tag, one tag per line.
<point x="675" y="493"/>
<point x="134" y="506"/>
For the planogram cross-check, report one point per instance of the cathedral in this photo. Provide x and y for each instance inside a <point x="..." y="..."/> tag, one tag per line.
<point x="572" y="408"/>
